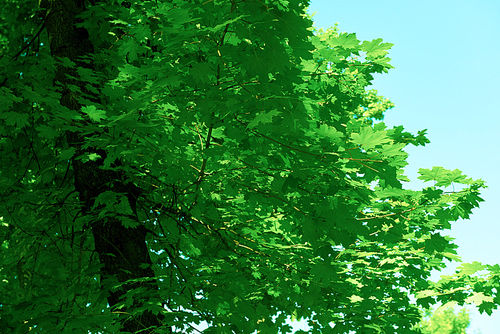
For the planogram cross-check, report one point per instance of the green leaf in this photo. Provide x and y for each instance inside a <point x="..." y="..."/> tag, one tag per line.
<point x="425" y="294"/>
<point x="470" y="268"/>
<point x="436" y="243"/>
<point x="329" y="132"/>
<point x="86" y="157"/>
<point x="67" y="154"/>
<point x="48" y="132"/>
<point x="129" y="49"/>
<point x="367" y="138"/>
<point x="375" y="48"/>
<point x="345" y="40"/>
<point x="441" y="176"/>
<point x="478" y="298"/>
<point x="96" y="115"/>
<point x="356" y="299"/>
<point x="15" y="119"/>
<point x="225" y="24"/>
<point x="264" y="118"/>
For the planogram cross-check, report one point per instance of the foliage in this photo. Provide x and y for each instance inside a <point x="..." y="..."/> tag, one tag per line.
<point x="445" y="321"/>
<point x="171" y="163"/>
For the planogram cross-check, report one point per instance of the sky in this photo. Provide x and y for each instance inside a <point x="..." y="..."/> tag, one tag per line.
<point x="446" y="56"/>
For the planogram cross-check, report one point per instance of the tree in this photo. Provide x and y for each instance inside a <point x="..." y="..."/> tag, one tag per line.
<point x="168" y="163"/>
<point x="445" y="321"/>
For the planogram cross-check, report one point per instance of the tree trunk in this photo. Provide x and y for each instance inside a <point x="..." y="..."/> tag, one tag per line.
<point x="122" y="251"/>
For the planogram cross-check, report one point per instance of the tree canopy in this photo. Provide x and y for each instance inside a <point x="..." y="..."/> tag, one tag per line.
<point x="445" y="321"/>
<point x="171" y="163"/>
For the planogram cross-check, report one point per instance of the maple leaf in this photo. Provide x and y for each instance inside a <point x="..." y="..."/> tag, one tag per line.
<point x="94" y="114"/>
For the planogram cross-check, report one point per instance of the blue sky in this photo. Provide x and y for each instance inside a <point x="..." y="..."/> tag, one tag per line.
<point x="446" y="56"/>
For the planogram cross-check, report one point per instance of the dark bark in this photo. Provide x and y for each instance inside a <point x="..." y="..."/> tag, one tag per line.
<point x="122" y="251"/>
